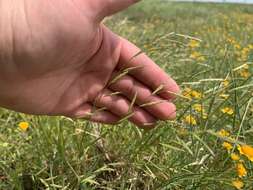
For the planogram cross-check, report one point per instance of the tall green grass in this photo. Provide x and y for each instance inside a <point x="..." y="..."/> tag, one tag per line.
<point x="60" y="153"/>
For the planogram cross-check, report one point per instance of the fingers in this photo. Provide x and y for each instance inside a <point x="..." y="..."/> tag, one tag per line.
<point x="88" y="112"/>
<point x="147" y="71"/>
<point x="156" y="106"/>
<point x="105" y="8"/>
<point x="121" y="107"/>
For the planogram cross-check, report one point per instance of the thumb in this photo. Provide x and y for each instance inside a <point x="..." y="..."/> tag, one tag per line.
<point x="105" y="8"/>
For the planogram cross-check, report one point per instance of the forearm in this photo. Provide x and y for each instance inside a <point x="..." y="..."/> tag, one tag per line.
<point x="6" y="39"/>
<point x="5" y="49"/>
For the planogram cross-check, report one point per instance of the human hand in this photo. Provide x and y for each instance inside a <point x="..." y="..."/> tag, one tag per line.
<point x="57" y="58"/>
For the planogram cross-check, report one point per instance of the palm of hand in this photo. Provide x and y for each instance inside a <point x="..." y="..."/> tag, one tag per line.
<point x="65" y="59"/>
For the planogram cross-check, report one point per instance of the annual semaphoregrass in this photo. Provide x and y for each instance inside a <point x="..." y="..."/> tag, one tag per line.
<point x="208" y="49"/>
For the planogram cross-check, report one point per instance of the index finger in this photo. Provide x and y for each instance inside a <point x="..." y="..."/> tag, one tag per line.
<point x="147" y="72"/>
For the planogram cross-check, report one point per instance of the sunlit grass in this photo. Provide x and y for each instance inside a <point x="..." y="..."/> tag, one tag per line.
<point x="208" y="49"/>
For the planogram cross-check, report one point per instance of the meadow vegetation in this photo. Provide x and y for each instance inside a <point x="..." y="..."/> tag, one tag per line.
<point x="208" y="50"/>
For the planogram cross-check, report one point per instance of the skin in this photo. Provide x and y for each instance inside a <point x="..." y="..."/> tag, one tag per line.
<point x="56" y="58"/>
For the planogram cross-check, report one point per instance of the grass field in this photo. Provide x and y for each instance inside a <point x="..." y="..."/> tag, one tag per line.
<point x="208" y="49"/>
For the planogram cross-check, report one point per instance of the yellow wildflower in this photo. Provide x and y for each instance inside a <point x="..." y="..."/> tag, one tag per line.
<point x="225" y="83"/>
<point x="227" y="146"/>
<point x="246" y="150"/>
<point x="227" y="110"/>
<point x="235" y="157"/>
<point x="238" y="184"/>
<point x="204" y="115"/>
<point x="250" y="46"/>
<point x="197" y="107"/>
<point x="223" y="133"/>
<point x="195" y="55"/>
<point x="23" y="126"/>
<point x="231" y="40"/>
<point x="241" y="170"/>
<point x="244" y="73"/>
<point x="224" y="96"/>
<point x="237" y="46"/>
<point x="194" y="44"/>
<point x="189" y="93"/>
<point x="189" y="119"/>
<point x="245" y="51"/>
<point x="196" y="94"/>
